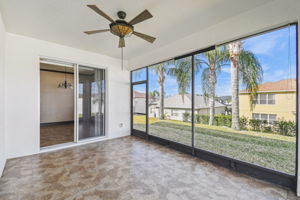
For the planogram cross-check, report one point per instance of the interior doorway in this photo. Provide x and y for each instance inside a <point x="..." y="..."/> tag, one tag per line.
<point x="57" y="103"/>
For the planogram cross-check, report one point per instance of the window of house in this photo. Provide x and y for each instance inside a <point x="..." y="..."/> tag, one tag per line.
<point x="174" y="112"/>
<point x="265" y="99"/>
<point x="262" y="98"/>
<point x="270" y="118"/>
<point x="271" y="98"/>
<point x="255" y="116"/>
<point x="264" y="117"/>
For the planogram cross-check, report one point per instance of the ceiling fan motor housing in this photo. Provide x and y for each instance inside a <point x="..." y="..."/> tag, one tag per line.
<point x="121" y="14"/>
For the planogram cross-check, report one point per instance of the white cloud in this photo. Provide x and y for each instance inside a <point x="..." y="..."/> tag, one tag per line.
<point x="224" y="89"/>
<point x="226" y="69"/>
<point x="264" y="44"/>
<point x="265" y="67"/>
<point x="274" y="75"/>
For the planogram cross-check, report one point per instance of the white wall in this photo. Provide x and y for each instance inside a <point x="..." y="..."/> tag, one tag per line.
<point x="2" y="105"/>
<point x="56" y="104"/>
<point x="22" y="91"/>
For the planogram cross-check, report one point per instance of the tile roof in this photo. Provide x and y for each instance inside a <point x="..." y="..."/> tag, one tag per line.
<point x="138" y="94"/>
<point x="278" y="86"/>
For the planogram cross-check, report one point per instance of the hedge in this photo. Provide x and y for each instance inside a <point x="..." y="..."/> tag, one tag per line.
<point x="281" y="126"/>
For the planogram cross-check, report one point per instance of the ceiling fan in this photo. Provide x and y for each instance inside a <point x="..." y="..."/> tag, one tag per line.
<point x="122" y="28"/>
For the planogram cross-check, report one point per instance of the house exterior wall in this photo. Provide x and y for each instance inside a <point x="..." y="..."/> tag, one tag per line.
<point x="205" y="111"/>
<point x="284" y="107"/>
<point x="177" y="113"/>
<point x="139" y="105"/>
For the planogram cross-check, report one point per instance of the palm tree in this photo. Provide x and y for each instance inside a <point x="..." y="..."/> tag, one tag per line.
<point x="246" y="66"/>
<point x="182" y="72"/>
<point x="160" y="70"/>
<point x="154" y="94"/>
<point x="212" y="63"/>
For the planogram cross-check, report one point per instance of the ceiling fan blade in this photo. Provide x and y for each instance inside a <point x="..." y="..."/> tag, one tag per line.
<point x="144" y="36"/>
<point x="100" y="12"/>
<point x="121" y="43"/>
<point x="141" y="17"/>
<point x="96" y="31"/>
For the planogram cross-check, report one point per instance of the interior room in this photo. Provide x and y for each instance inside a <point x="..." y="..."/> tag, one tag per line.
<point x="57" y="104"/>
<point x="149" y="99"/>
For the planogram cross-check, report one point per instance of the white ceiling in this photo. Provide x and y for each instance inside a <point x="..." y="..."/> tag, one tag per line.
<point x="63" y="21"/>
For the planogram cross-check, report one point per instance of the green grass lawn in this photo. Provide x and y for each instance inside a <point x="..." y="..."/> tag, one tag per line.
<point x="268" y="150"/>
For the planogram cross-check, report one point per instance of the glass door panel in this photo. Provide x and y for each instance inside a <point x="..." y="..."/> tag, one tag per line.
<point x="90" y="102"/>
<point x="139" y="107"/>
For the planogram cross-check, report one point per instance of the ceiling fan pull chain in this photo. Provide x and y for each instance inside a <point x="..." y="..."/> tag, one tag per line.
<point x="122" y="58"/>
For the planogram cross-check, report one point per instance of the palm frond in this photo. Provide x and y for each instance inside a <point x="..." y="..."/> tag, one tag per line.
<point x="182" y="72"/>
<point x="251" y="73"/>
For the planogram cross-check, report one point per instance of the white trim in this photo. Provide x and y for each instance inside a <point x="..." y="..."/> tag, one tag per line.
<point x="72" y="144"/>
<point x="72" y="61"/>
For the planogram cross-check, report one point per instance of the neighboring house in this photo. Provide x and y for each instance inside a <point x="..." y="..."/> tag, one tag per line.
<point x="176" y="105"/>
<point x="275" y="101"/>
<point x="139" y="102"/>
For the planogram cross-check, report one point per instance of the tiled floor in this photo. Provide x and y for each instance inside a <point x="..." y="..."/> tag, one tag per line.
<point x="127" y="168"/>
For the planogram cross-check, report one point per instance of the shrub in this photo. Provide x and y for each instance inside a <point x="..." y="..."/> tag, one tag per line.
<point x="223" y="120"/>
<point x="165" y="116"/>
<point x="244" y="123"/>
<point x="186" y="116"/>
<point x="255" y="124"/>
<point x="265" y="126"/>
<point x="202" y="119"/>
<point x="285" y="127"/>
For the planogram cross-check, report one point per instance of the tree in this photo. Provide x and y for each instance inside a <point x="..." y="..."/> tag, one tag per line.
<point x="246" y="66"/>
<point x="154" y="94"/>
<point x="160" y="70"/>
<point x="212" y="63"/>
<point x="182" y="72"/>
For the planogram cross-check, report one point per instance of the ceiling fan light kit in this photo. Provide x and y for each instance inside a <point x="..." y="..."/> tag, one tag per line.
<point x="122" y="28"/>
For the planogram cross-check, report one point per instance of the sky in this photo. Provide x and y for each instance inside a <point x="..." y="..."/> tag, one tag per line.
<point x="276" y="52"/>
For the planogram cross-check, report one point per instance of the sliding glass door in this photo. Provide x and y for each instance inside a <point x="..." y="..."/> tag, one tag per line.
<point x="90" y="102"/>
<point x="57" y="91"/>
